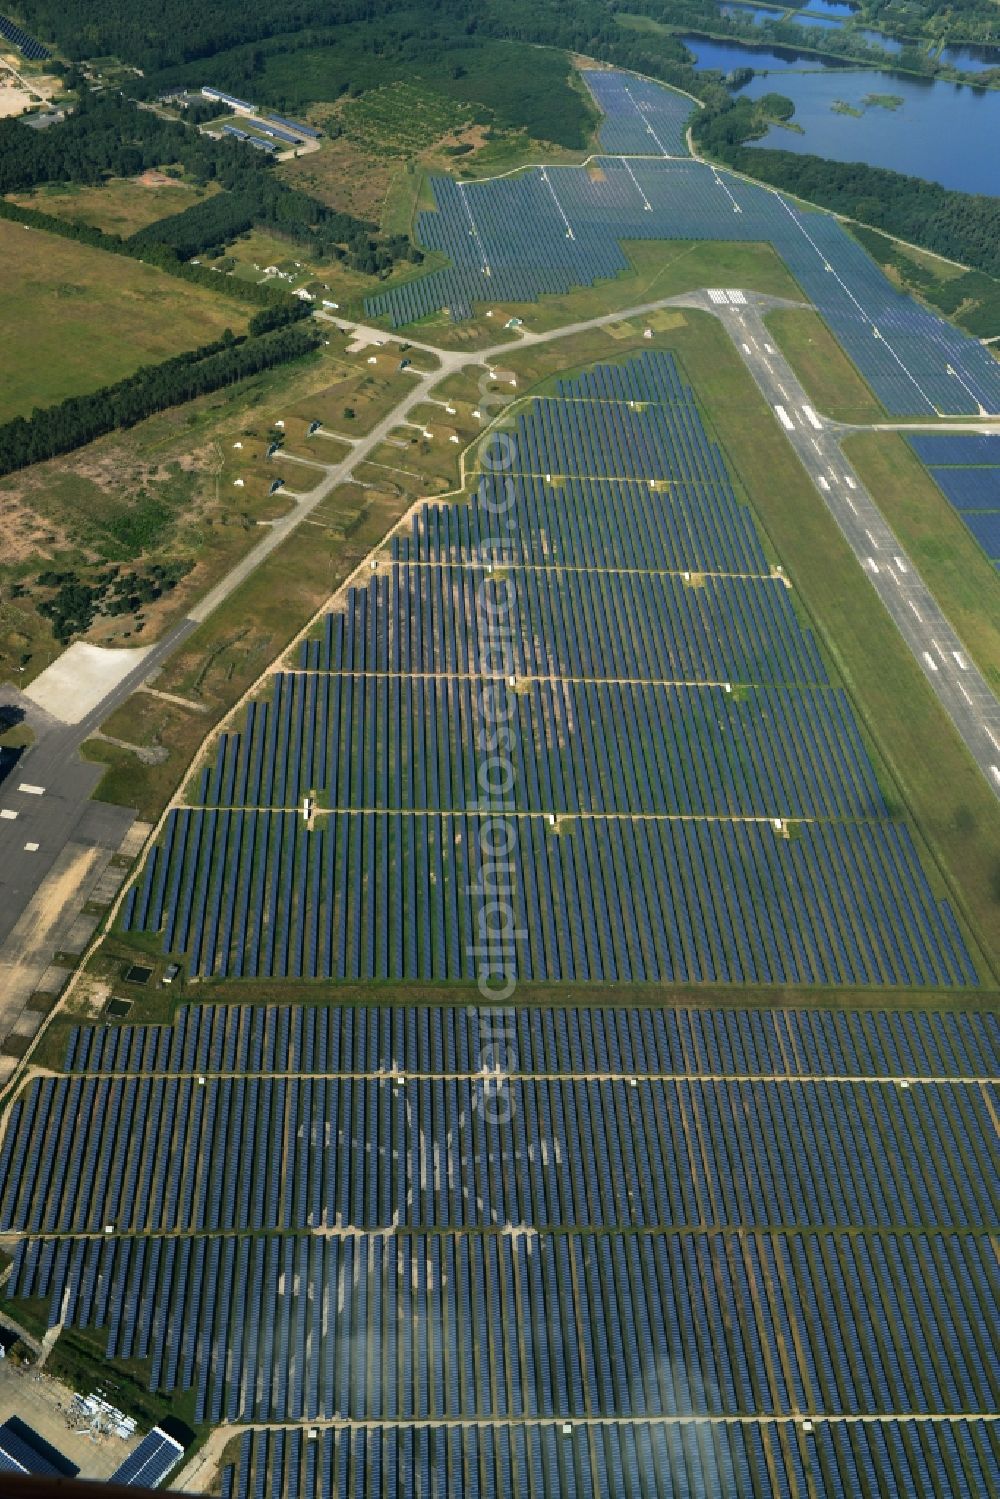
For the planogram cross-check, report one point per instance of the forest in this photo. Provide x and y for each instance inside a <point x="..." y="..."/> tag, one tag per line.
<point x="155" y="36"/>
<point x="78" y="420"/>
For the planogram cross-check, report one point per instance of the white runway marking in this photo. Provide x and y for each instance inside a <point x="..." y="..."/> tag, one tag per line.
<point x="652" y="132"/>
<point x="645" y="201"/>
<point x="472" y="227"/>
<point x="548" y="184"/>
<point x="725" y="189"/>
<point x="784" y="419"/>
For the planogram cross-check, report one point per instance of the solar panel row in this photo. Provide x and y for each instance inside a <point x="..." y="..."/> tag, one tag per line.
<point x="148" y="1465"/>
<point x="31" y="48"/>
<point x="528" y="1324"/>
<point x="697" y="1460"/>
<point x="581" y="747"/>
<point x="626" y="1040"/>
<point x="251" y="1154"/>
<point x="973" y="489"/>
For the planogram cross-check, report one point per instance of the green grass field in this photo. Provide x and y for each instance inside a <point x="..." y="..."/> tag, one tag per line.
<point x="836" y="387"/>
<point x="74" y="318"/>
<point x="657" y="269"/>
<point x="122" y="205"/>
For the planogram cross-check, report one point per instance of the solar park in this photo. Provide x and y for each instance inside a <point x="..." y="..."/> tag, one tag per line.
<point x="696" y="1243"/>
<point x="815" y="1299"/>
<point x="702" y="1247"/>
<point x="966" y="469"/>
<point x="545" y="230"/>
<point x="638" y="1458"/>
<point x="679" y="736"/>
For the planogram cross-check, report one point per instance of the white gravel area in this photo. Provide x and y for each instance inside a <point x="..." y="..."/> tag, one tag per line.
<point x="80" y="678"/>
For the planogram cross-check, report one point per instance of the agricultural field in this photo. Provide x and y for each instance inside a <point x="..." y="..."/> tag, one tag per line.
<point x="122" y="205"/>
<point x="344" y="178"/>
<point x="76" y="318"/>
<point x="403" y="120"/>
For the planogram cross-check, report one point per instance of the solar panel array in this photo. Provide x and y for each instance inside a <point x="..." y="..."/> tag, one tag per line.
<point x="699" y="1460"/>
<point x="290" y="1153"/>
<point x="296" y="126"/>
<point x="640" y="118"/>
<point x="270" y="128"/>
<point x="20" y="1456"/>
<point x="962" y="448"/>
<point x="966" y="469"/>
<point x="674" y="718"/>
<point x="472" y="1325"/>
<point x="546" y="230"/>
<point x="26" y="44"/>
<point x="682" y="1217"/>
<point x="674" y="1042"/>
<point x="148" y="1465"/>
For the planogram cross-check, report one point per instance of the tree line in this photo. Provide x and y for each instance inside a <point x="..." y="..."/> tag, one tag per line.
<point x="109" y="136"/>
<point x="79" y="419"/>
<point x="210" y="224"/>
<point x="262" y="293"/>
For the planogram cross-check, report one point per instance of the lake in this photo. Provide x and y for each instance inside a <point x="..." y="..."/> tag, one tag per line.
<point x="737" y="11"/>
<point x="945" y="132"/>
<point x="729" y="55"/>
<point x="971" y="59"/>
<point x="828" y="8"/>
